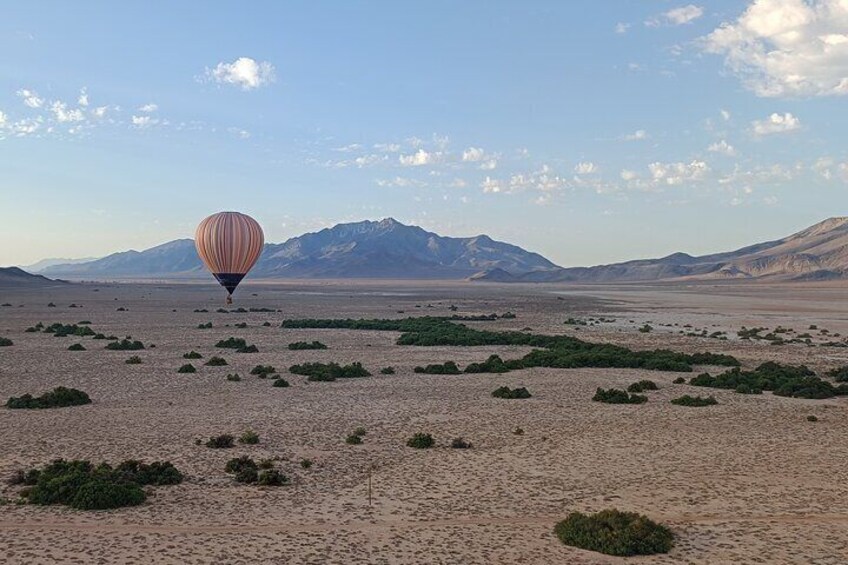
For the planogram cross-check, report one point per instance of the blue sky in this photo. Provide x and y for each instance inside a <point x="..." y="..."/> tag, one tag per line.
<point x="588" y="131"/>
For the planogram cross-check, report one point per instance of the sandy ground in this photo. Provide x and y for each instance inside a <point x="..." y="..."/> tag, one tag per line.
<point x="747" y="481"/>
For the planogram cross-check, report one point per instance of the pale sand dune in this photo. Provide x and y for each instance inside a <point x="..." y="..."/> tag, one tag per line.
<point x="747" y="481"/>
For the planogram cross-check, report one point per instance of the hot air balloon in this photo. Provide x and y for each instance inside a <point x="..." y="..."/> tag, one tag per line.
<point x="229" y="243"/>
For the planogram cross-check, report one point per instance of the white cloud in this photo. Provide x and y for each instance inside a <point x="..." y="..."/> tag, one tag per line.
<point x="628" y="175"/>
<point x="622" y="27"/>
<point x="674" y="174"/>
<point x="677" y="16"/>
<point x="148" y="108"/>
<point x="25" y="127"/>
<point x="776" y="123"/>
<point x="458" y="183"/>
<point x="725" y="115"/>
<point x="244" y="72"/>
<point x="3" y="119"/>
<point x="63" y="114"/>
<point x="142" y="122"/>
<point x="419" y="158"/>
<point x="401" y="182"/>
<point x="722" y="147"/>
<point x="585" y="168"/>
<point x="489" y="165"/>
<point x="387" y="147"/>
<point x="83" y="98"/>
<point x="100" y="111"/>
<point x="491" y="186"/>
<point x="31" y="98"/>
<point x="787" y="48"/>
<point x="473" y="154"/>
<point x="638" y="135"/>
<point x="348" y="148"/>
<point x="823" y="167"/>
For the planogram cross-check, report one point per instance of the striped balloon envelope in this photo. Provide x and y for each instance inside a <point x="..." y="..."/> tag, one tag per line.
<point x="229" y="244"/>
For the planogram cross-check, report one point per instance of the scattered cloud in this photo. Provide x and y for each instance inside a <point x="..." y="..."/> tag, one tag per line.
<point x="63" y="114"/>
<point x="674" y="174"/>
<point x="82" y="100"/>
<point x="725" y="115"/>
<point x="722" y="147"/>
<point x="401" y="182"/>
<point x="420" y="157"/>
<point x="387" y="147"/>
<point x="473" y="154"/>
<point x="585" y="168"/>
<point x="787" y="48"/>
<point x="638" y="135"/>
<point x="143" y="122"/>
<point x="3" y="119"/>
<point x="677" y="16"/>
<point x="244" y="72"/>
<point x="776" y="123"/>
<point x="628" y="175"/>
<point x="148" y="108"/>
<point x="31" y="98"/>
<point x="622" y="27"/>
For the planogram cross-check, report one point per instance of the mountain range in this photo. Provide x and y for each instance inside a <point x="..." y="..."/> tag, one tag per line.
<point x="389" y="249"/>
<point x="369" y="249"/>
<point x="13" y="277"/>
<point x="819" y="252"/>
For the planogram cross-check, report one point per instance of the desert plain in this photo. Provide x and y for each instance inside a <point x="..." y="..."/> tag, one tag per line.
<point x="749" y="480"/>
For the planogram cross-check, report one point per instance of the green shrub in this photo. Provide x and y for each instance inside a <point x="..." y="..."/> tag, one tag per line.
<point x="248" y="349"/>
<point x="6" y="342"/>
<point x="459" y="443"/>
<point x="642" y="386"/>
<point x="421" y="441"/>
<point x="329" y="371"/>
<point x="206" y="326"/>
<point x="280" y="383"/>
<point x="447" y="368"/>
<point x="647" y="328"/>
<point x="241" y="325"/>
<point x="387" y="371"/>
<point x="134" y="360"/>
<point x="514" y="393"/>
<point x="812" y="418"/>
<point x="231" y="343"/>
<point x="796" y="381"/>
<point x="679" y="381"/>
<point x="266" y="463"/>
<point x="695" y="401"/>
<point x="216" y="362"/>
<point x="306" y="463"/>
<point x="125" y="345"/>
<point x="249" y="437"/>
<point x="192" y="355"/>
<point x="494" y="364"/>
<point x="59" y="397"/>
<point x="76" y="347"/>
<point x="272" y="478"/>
<point x="233" y="377"/>
<point x="239" y="464"/>
<point x="187" y="368"/>
<point x="616" y="396"/>
<point x="298" y="345"/>
<point x="247" y="476"/>
<point x="359" y="431"/>
<point x="220" y="442"/>
<point x="615" y="533"/>
<point x="839" y="374"/>
<point x="353" y="439"/>
<point x="518" y="431"/>
<point x="263" y="370"/>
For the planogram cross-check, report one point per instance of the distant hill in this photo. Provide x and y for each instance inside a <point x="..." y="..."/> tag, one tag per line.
<point x="819" y="252"/>
<point x="36" y="268"/>
<point x="13" y="277"/>
<point x="369" y="249"/>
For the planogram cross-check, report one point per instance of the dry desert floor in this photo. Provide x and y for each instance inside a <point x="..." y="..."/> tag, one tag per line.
<point x="747" y="481"/>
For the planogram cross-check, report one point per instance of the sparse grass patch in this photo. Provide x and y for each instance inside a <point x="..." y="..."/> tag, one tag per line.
<point x="615" y="533"/>
<point x="249" y="437"/>
<point x="353" y="439"/>
<point x="272" y="478"/>
<point x="305" y="463"/>
<point x="220" y="442"/>
<point x="59" y="397"/>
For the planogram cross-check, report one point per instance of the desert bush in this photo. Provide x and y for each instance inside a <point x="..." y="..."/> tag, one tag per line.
<point x="421" y="441"/>
<point x="241" y="325"/>
<point x="387" y="371"/>
<point x="298" y="345"/>
<point x="220" y="442"/>
<point x="249" y="437"/>
<point x="125" y="345"/>
<point x="305" y="463"/>
<point x="157" y="473"/>
<point x="353" y="439"/>
<point x="6" y="342"/>
<point x="519" y="431"/>
<point x="511" y="393"/>
<point x="234" y="377"/>
<point x="647" y="328"/>
<point x="192" y="355"/>
<point x="616" y="396"/>
<point x="59" y="397"/>
<point x="206" y="326"/>
<point x="679" y="381"/>
<point x="494" y="364"/>
<point x="812" y="418"/>
<point x="642" y="386"/>
<point x="796" y="381"/>
<point x="447" y="368"/>
<point x="459" y="443"/>
<point x="76" y="347"/>
<point x="694" y="401"/>
<point x="839" y="374"/>
<point x="216" y="362"/>
<point x="329" y="371"/>
<point x="247" y="476"/>
<point x="187" y="368"/>
<point x="280" y="383"/>
<point x="263" y="370"/>
<point x="359" y="431"/>
<point x="231" y="343"/>
<point x="240" y="463"/>
<point x="272" y="478"/>
<point x="134" y="360"/>
<point x="248" y="349"/>
<point x="615" y="533"/>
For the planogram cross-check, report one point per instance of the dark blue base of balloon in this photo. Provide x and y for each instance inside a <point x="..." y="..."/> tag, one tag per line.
<point x="229" y="280"/>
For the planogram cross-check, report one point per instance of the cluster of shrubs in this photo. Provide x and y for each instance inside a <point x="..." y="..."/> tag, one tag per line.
<point x="329" y="371"/>
<point x="263" y="371"/>
<point x="234" y="377"/>
<point x="642" y="386"/>
<point x="421" y="441"/>
<point x="299" y="345"/>
<point x="125" y="344"/>
<point x="6" y="342"/>
<point x="247" y="471"/>
<point x="192" y="355"/>
<point x="225" y="441"/>
<point x="796" y="381"/>
<point x="238" y="344"/>
<point x="448" y="368"/>
<point x="840" y="374"/>
<point x="387" y="371"/>
<point x="617" y="396"/>
<point x="59" y="397"/>
<point x="76" y="347"/>
<point x="552" y="351"/>
<point x="216" y="361"/>
<point x="615" y="533"/>
<point x="356" y="437"/>
<point x="280" y="382"/>
<point x="81" y="485"/>
<point x="511" y="393"/>
<point x="206" y="326"/>
<point x="695" y="401"/>
<point x="63" y="330"/>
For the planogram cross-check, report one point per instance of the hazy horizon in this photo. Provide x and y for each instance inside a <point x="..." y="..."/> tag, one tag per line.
<point x="587" y="133"/>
